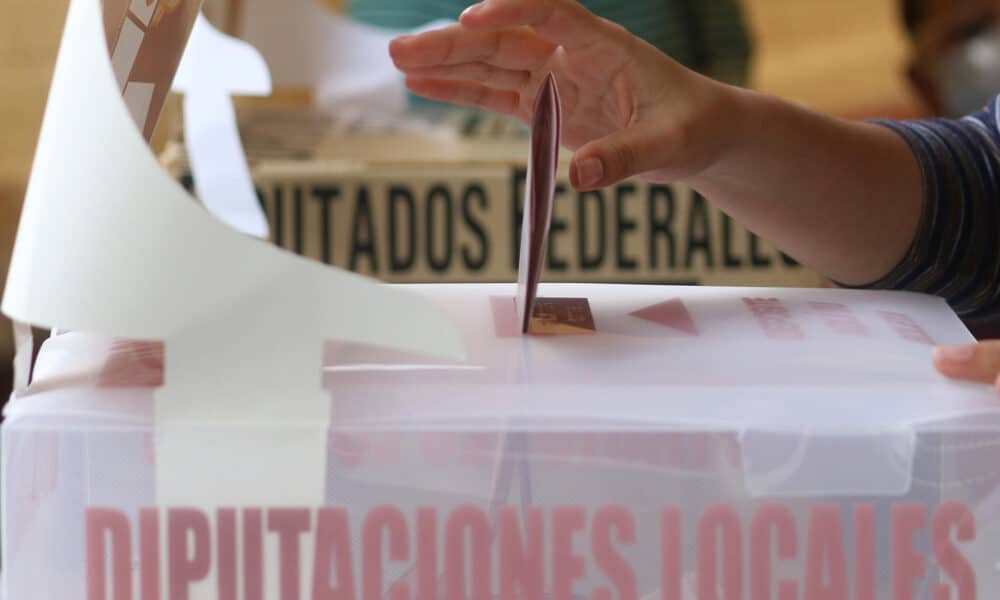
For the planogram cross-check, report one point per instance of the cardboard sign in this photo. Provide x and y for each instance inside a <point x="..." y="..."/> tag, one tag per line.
<point x="461" y="223"/>
<point x="146" y="39"/>
<point x="445" y="205"/>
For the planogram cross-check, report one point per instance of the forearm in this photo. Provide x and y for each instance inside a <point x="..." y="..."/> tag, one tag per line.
<point x="897" y="205"/>
<point x="844" y="198"/>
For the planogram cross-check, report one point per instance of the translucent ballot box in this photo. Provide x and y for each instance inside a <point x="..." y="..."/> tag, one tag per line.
<point x="695" y="443"/>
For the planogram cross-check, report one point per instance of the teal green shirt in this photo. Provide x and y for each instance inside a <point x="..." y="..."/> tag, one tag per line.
<point x="706" y="35"/>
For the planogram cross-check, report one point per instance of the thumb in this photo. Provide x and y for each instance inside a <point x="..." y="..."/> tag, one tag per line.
<point x="613" y="158"/>
<point x="976" y="362"/>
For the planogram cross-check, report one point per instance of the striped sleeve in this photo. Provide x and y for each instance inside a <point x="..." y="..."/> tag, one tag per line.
<point x="955" y="254"/>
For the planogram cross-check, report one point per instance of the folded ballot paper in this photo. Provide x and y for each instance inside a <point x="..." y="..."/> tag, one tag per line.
<point x="224" y="420"/>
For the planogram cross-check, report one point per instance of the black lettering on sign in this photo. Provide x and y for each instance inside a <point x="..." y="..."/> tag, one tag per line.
<point x="758" y="260"/>
<point x="624" y="228"/>
<point x="591" y="255"/>
<point x="699" y="232"/>
<point x="262" y="201"/>
<point x="475" y="194"/>
<point x="326" y="196"/>
<point x="439" y="201"/>
<point x="518" y="179"/>
<point x="363" y="233"/>
<point x="558" y="228"/>
<point x="661" y="225"/>
<point x="297" y="236"/>
<point x="401" y="201"/>
<point x="789" y="261"/>
<point x="729" y="260"/>
<point x="449" y="228"/>
<point x="279" y="216"/>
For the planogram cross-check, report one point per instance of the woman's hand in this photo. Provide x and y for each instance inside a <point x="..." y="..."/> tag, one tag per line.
<point x="977" y="362"/>
<point x="820" y="188"/>
<point x="627" y="108"/>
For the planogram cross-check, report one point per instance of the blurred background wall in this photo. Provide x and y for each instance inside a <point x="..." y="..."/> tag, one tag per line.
<point x="840" y="56"/>
<point x="29" y="38"/>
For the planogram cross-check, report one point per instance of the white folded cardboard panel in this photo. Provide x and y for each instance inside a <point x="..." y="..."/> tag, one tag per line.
<point x="215" y="67"/>
<point x="108" y="243"/>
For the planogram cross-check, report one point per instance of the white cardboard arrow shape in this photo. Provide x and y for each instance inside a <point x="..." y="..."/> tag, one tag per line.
<point x="214" y="68"/>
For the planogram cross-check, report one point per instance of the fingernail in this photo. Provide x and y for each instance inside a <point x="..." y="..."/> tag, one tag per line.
<point x="587" y="172"/>
<point x="471" y="10"/>
<point x="955" y="353"/>
<point x="399" y="46"/>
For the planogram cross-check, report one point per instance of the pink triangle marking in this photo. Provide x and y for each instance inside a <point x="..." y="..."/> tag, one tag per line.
<point x="672" y="314"/>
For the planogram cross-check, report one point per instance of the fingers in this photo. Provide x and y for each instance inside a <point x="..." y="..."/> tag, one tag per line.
<point x="623" y="154"/>
<point x="462" y="92"/>
<point x="564" y="22"/>
<point x="978" y="362"/>
<point x="516" y="49"/>
<point x="481" y="73"/>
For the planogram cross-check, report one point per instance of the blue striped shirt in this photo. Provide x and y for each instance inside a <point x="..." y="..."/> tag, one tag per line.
<point x="955" y="254"/>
